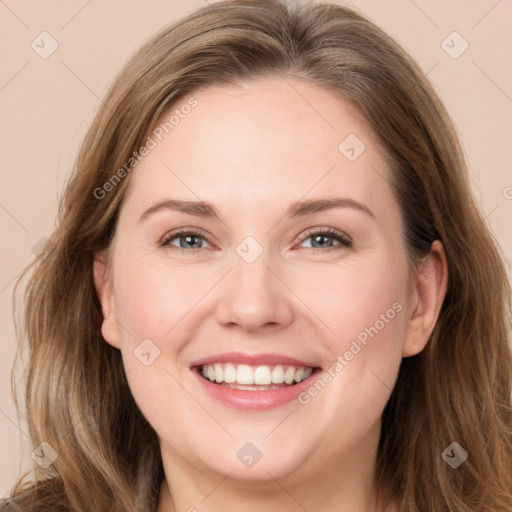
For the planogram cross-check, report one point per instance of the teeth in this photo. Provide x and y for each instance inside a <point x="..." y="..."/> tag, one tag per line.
<point x="219" y="374"/>
<point x="289" y="375"/>
<point x="299" y="374"/>
<point x="262" y="375"/>
<point x="278" y="375"/>
<point x="245" y="375"/>
<point x="229" y="373"/>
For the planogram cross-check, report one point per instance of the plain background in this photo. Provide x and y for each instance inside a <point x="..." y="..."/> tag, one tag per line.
<point x="47" y="104"/>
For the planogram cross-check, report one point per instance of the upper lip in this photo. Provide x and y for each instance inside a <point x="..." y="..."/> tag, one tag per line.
<point x="252" y="360"/>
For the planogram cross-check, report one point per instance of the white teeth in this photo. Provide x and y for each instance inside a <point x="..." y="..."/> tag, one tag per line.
<point x="255" y="376"/>
<point x="219" y="374"/>
<point x="229" y="373"/>
<point x="289" y="375"/>
<point x="278" y="375"/>
<point x="262" y="375"/>
<point x="244" y="374"/>
<point x="299" y="374"/>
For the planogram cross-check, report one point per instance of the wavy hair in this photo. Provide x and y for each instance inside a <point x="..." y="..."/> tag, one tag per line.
<point x="458" y="388"/>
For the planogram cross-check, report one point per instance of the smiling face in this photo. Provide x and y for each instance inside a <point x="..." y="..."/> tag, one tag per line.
<point x="293" y="267"/>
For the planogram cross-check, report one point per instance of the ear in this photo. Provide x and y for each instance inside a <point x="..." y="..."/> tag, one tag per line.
<point x="426" y="299"/>
<point x="103" y="285"/>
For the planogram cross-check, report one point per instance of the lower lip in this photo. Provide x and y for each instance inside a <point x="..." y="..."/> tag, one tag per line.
<point x="254" y="400"/>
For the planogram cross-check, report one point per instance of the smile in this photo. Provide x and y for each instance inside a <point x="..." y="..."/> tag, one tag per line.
<point x="253" y="382"/>
<point x="253" y="378"/>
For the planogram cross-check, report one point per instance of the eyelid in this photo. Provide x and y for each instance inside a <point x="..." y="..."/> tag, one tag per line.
<point x="164" y="241"/>
<point x="340" y="236"/>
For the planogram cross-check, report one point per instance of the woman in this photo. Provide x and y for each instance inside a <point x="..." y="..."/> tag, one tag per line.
<point x="269" y="284"/>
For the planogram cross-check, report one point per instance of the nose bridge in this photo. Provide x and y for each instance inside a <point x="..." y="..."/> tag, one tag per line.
<point x="253" y="275"/>
<point x="254" y="297"/>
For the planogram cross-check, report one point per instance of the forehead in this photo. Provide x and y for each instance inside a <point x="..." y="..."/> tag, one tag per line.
<point x="275" y="139"/>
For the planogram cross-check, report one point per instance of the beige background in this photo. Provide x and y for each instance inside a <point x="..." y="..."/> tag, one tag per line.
<point x="46" y="105"/>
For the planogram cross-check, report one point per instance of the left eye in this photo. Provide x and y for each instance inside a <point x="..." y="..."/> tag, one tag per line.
<point x="324" y="240"/>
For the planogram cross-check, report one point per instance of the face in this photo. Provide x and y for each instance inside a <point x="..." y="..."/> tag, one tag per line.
<point x="291" y="268"/>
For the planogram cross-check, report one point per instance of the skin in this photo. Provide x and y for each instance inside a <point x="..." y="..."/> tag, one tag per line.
<point x="252" y="150"/>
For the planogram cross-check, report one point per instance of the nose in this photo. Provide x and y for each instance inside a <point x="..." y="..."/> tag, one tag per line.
<point x="254" y="299"/>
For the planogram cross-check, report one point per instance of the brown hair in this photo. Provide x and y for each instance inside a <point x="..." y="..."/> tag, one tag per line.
<point x="457" y="389"/>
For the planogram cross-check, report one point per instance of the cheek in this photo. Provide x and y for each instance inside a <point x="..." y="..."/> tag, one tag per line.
<point x="359" y="300"/>
<point x="152" y="299"/>
<point x="153" y="302"/>
<point x="364" y="307"/>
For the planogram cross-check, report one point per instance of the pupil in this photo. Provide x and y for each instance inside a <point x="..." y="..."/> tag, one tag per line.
<point x="189" y="240"/>
<point x="318" y="239"/>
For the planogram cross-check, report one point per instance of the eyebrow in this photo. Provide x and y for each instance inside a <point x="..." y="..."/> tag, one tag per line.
<point x="296" y="209"/>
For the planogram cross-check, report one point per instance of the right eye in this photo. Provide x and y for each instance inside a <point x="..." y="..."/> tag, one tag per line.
<point x="186" y="240"/>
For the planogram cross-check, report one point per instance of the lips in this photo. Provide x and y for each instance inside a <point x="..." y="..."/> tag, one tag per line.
<point x="253" y="381"/>
<point x="252" y="360"/>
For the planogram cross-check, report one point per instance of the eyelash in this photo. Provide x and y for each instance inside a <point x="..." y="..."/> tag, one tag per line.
<point x="343" y="240"/>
